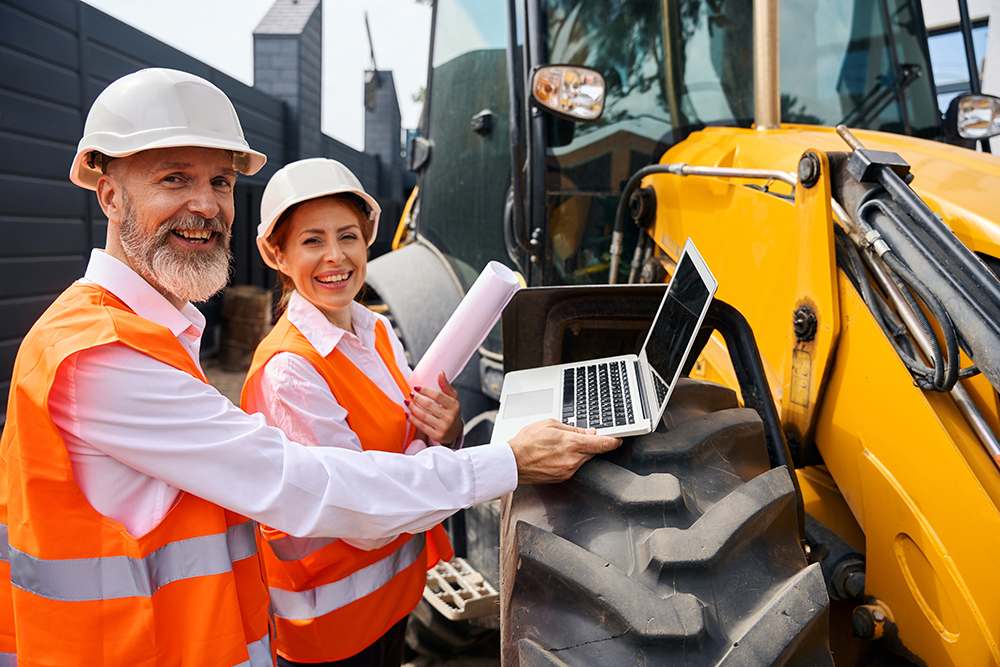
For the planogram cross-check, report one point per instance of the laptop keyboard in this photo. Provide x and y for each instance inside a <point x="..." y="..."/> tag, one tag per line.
<point x="661" y="389"/>
<point x="597" y="396"/>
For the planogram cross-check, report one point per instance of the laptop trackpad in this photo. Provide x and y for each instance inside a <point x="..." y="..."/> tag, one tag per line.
<point x="528" y="404"/>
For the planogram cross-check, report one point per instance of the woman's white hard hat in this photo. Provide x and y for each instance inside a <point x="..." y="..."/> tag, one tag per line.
<point x="304" y="180"/>
<point x="160" y="108"/>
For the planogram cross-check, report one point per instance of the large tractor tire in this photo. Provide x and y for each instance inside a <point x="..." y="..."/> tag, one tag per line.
<point x="679" y="548"/>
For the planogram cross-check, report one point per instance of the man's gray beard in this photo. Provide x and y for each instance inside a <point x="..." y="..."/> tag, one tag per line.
<point x="189" y="276"/>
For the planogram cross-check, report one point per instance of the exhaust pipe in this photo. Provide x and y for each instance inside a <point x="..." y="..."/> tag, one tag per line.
<point x="766" y="65"/>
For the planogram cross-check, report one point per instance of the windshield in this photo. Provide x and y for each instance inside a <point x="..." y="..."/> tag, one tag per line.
<point x="864" y="64"/>
<point x="673" y="67"/>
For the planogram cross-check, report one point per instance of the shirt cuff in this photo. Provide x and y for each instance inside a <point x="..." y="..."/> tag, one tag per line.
<point x="494" y="469"/>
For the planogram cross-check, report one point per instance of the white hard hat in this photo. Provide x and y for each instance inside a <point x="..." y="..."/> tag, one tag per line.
<point x="304" y="180"/>
<point x="160" y="108"/>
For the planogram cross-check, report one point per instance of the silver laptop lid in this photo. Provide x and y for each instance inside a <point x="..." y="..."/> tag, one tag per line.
<point x="676" y="326"/>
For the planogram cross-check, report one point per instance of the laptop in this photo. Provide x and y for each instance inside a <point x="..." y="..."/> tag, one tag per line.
<point x="623" y="395"/>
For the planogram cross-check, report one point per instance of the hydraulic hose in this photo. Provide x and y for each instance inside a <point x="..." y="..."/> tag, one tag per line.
<point x="857" y="270"/>
<point x="893" y="286"/>
<point x="618" y="234"/>
<point x="640" y="249"/>
<point x="944" y="373"/>
<point x="924" y="243"/>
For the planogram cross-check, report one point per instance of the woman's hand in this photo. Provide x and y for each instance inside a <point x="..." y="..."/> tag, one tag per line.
<point x="436" y="413"/>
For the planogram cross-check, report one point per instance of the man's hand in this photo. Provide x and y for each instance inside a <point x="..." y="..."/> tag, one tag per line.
<point x="550" y="451"/>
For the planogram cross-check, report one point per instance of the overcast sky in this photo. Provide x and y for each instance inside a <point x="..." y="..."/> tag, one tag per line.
<point x="220" y="33"/>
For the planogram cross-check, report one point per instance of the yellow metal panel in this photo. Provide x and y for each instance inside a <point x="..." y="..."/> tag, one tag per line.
<point x="812" y="265"/>
<point x="959" y="184"/>
<point x="737" y="230"/>
<point x="786" y="260"/>
<point x="900" y="457"/>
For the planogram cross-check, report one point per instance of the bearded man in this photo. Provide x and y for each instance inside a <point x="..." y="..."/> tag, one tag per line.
<point x="128" y="485"/>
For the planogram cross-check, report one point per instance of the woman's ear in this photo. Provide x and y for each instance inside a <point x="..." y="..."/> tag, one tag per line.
<point x="279" y="259"/>
<point x="269" y="254"/>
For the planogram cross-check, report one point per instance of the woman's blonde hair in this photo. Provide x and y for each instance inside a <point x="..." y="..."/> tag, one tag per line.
<point x="279" y="236"/>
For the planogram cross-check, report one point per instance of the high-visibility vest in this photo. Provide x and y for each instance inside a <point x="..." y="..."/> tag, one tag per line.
<point x="331" y="600"/>
<point x="75" y="587"/>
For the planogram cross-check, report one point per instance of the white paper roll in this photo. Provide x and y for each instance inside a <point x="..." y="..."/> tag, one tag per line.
<point x="467" y="327"/>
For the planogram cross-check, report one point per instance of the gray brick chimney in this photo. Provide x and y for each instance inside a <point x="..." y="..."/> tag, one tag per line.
<point x="288" y="56"/>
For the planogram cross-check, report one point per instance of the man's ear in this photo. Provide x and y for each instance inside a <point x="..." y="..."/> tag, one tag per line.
<point x="108" y="196"/>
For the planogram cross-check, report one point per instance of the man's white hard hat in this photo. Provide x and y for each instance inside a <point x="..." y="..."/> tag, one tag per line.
<point x="304" y="180"/>
<point x="159" y="108"/>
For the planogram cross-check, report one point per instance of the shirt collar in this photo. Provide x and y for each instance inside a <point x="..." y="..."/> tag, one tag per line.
<point x="141" y="297"/>
<point x="323" y="335"/>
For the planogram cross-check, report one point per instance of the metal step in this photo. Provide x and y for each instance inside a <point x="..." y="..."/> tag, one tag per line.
<point x="459" y="592"/>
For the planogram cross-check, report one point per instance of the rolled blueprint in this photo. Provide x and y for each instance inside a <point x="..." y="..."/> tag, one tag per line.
<point x="467" y="327"/>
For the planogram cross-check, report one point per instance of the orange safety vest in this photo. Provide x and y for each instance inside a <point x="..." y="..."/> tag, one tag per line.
<point x="331" y="600"/>
<point x="75" y="587"/>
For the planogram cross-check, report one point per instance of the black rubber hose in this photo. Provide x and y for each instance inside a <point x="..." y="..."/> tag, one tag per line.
<point x="947" y="327"/>
<point x="925" y="219"/>
<point x="919" y="369"/>
<point x="904" y="344"/>
<point x="630" y="186"/>
<point x="966" y="290"/>
<point x="918" y="312"/>
<point x="947" y="381"/>
<point x="964" y="373"/>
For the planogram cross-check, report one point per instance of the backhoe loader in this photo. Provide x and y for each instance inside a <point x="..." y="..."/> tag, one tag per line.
<point x="825" y="485"/>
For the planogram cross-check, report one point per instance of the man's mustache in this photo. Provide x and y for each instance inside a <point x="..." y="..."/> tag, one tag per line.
<point x="197" y="222"/>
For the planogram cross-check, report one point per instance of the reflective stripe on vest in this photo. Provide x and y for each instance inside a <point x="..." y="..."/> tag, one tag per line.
<point x="260" y="653"/>
<point x="316" y="602"/>
<point x="296" y="548"/>
<point x="112" y="577"/>
<point x="4" y="549"/>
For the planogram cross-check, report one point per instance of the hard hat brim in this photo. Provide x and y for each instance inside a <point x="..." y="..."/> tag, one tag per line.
<point x="245" y="160"/>
<point x="267" y="226"/>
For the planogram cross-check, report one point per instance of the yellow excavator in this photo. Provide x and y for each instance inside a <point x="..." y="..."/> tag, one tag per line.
<point x="824" y="487"/>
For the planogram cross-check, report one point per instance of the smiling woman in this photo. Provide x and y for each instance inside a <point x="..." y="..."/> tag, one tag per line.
<point x="321" y="248"/>
<point x="333" y="373"/>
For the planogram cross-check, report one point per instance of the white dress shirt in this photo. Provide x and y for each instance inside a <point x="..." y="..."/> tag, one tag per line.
<point x="139" y="432"/>
<point x="292" y="395"/>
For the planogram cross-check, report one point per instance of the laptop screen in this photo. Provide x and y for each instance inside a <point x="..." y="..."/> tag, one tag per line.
<point x="674" y="326"/>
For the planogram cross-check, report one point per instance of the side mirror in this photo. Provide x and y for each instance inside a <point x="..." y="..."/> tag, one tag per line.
<point x="570" y="92"/>
<point x="973" y="117"/>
